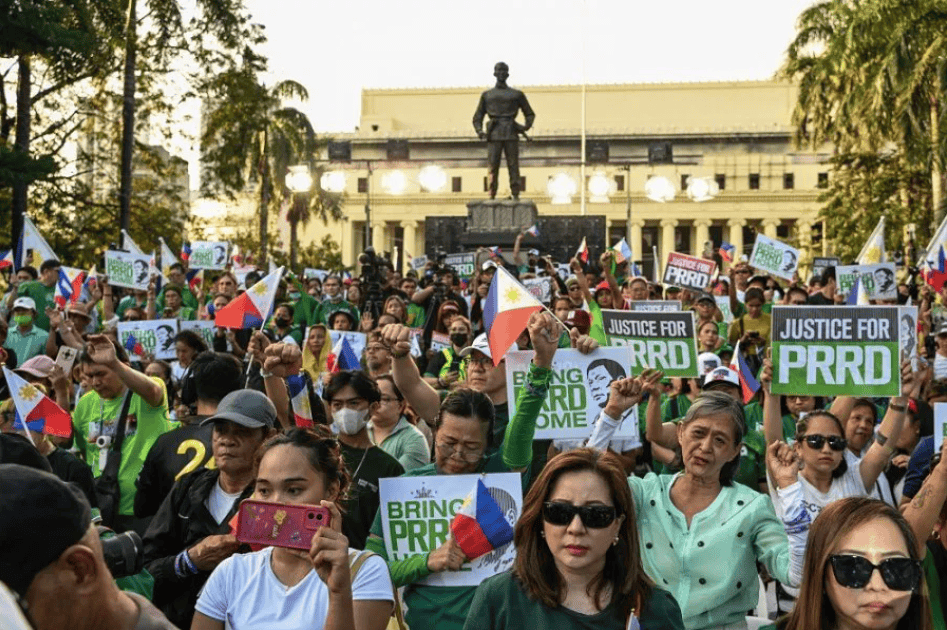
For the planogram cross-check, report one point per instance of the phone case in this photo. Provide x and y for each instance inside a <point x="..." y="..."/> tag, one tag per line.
<point x="279" y="524"/>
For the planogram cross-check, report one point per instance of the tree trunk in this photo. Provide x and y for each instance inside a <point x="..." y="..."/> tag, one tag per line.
<point x="21" y="145"/>
<point x="128" y="121"/>
<point x="264" y="194"/>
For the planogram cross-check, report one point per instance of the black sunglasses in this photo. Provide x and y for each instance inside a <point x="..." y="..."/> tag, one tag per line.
<point x="900" y="574"/>
<point x="816" y="441"/>
<point x="594" y="516"/>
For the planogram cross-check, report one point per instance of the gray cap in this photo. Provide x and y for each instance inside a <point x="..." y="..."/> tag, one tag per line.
<point x="246" y="407"/>
<point x="480" y="344"/>
<point x="706" y="297"/>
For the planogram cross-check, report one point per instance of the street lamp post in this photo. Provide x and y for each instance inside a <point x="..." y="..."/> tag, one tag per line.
<point x="299" y="182"/>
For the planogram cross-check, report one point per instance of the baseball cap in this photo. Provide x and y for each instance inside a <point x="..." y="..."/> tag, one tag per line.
<point x="533" y="252"/>
<point x="721" y="374"/>
<point x="480" y="344"/>
<point x="25" y="302"/>
<point x="706" y="297"/>
<point x="39" y="366"/>
<point x="580" y="320"/>
<point x="942" y="329"/>
<point x="246" y="407"/>
<point x="602" y="286"/>
<point x="572" y="279"/>
<point x="672" y="289"/>
<point x="40" y="517"/>
<point x="707" y="362"/>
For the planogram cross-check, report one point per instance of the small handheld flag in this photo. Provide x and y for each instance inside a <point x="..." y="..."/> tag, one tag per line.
<point x="195" y="278"/>
<point x="343" y="357"/>
<point x="251" y="308"/>
<point x="6" y="259"/>
<point x="748" y="383"/>
<point x="36" y="410"/>
<point x="299" y="397"/>
<point x="533" y="230"/>
<point x="186" y="252"/>
<point x="506" y="311"/>
<point x="873" y="251"/>
<point x="583" y="252"/>
<point x="480" y="526"/>
<point x="68" y="286"/>
<point x="91" y="278"/>
<point x="133" y="346"/>
<point x="495" y="250"/>
<point x="622" y="251"/>
<point x="726" y="251"/>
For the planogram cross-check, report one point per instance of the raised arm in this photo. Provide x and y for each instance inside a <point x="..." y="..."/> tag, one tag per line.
<point x="664" y="434"/>
<point x="420" y="395"/>
<point x="784" y="562"/>
<point x="607" y="257"/>
<point x="881" y="450"/>
<point x="772" y="420"/>
<point x="923" y="511"/>
<point x="576" y="268"/>
<point x="102" y="352"/>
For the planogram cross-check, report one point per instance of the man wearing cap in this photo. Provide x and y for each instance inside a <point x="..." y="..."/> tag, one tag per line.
<point x="26" y="339"/>
<point x="97" y="415"/>
<point x="42" y="292"/>
<point x="52" y="558"/>
<point x="190" y="534"/>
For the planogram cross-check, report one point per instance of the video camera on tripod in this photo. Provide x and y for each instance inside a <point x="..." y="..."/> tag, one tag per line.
<point x="373" y="274"/>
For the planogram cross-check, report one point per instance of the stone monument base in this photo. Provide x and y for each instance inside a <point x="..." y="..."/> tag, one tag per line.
<point x="500" y="215"/>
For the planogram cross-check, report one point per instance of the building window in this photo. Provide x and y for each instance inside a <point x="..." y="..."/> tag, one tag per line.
<point x="363" y="185"/>
<point x="754" y="181"/>
<point x="486" y="184"/>
<point x="522" y="182"/>
<point x="620" y="183"/>
<point x="684" y="178"/>
<point x="455" y="184"/>
<point x="789" y="181"/>
<point x="782" y="231"/>
<point x="823" y="180"/>
<point x="721" y="180"/>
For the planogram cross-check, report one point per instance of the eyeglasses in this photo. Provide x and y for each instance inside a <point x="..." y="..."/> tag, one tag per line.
<point x="593" y="516"/>
<point x="449" y="449"/>
<point x="484" y="362"/>
<point x="816" y="441"/>
<point x="900" y="574"/>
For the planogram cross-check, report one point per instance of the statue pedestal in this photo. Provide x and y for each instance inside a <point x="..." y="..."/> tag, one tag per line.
<point x="498" y="221"/>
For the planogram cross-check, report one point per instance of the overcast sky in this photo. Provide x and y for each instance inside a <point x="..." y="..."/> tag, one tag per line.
<point x="336" y="48"/>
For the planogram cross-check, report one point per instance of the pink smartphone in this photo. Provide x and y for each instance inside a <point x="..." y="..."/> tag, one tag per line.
<point x="280" y="524"/>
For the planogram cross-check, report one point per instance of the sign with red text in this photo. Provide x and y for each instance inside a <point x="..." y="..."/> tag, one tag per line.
<point x="688" y="272"/>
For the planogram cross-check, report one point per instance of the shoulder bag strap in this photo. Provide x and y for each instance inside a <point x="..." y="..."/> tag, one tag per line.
<point x="113" y="463"/>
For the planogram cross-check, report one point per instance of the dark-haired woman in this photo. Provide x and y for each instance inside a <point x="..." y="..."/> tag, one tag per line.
<point x="463" y="435"/>
<point x="862" y="572"/>
<point x="578" y="560"/>
<point x="702" y="534"/>
<point x="279" y="588"/>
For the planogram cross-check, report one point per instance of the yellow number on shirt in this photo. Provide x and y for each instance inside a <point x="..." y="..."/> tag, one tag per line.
<point x="199" y="451"/>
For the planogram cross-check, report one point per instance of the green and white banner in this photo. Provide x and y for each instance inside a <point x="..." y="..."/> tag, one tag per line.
<point x="653" y="306"/>
<point x="208" y="255"/>
<point x="577" y="394"/>
<point x="820" y="263"/>
<point x="664" y="341"/>
<point x="774" y="257"/>
<point x="940" y="425"/>
<point x="156" y="336"/>
<point x="416" y="513"/>
<point x="463" y="264"/>
<point x="128" y="270"/>
<point x="879" y="280"/>
<point x="836" y="351"/>
<point x="309" y="272"/>
<point x="203" y="328"/>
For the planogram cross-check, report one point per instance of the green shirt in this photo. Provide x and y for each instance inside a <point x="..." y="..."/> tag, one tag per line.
<point x="187" y="298"/>
<point x="43" y="296"/>
<point x="95" y="416"/>
<point x="501" y="603"/>
<point x="126" y="303"/>
<point x="752" y="468"/>
<point x="406" y="443"/>
<point x="416" y="316"/>
<point x="26" y="345"/>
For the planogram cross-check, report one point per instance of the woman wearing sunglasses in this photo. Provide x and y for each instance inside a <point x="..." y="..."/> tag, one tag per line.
<point x="701" y="534"/>
<point x="861" y="572"/>
<point x="578" y="561"/>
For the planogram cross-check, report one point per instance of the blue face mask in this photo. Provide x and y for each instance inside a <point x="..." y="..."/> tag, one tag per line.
<point x="294" y="295"/>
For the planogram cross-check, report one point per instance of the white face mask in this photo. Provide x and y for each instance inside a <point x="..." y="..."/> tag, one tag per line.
<point x="350" y="421"/>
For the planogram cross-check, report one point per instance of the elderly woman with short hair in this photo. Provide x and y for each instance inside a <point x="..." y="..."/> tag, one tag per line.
<point x="701" y="534"/>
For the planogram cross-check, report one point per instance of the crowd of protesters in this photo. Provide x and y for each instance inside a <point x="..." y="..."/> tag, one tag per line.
<point x="722" y="500"/>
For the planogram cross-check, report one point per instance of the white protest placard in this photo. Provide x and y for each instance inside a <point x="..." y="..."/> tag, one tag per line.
<point x="879" y="280"/>
<point x="208" y="255"/>
<point x="723" y="303"/>
<point x="309" y="272"/>
<point x="356" y="340"/>
<point x="563" y="270"/>
<point x="416" y="513"/>
<point x="156" y="336"/>
<point x="577" y="394"/>
<point x="940" y="426"/>
<point x="439" y="341"/>
<point x="416" y="342"/>
<point x="539" y="288"/>
<point x="907" y="331"/>
<point x="203" y="328"/>
<point x="688" y="272"/>
<point x="774" y="257"/>
<point x="418" y="262"/>
<point x="127" y="270"/>
<point x="653" y="306"/>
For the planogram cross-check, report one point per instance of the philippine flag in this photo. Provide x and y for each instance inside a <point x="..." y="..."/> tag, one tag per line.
<point x="35" y="409"/>
<point x="6" y="259"/>
<point x="748" y="382"/>
<point x="91" y="278"/>
<point x="583" y="252"/>
<point x="133" y="346"/>
<point x="858" y="296"/>
<point x="186" y="252"/>
<point x="533" y="230"/>
<point x="495" y="250"/>
<point x="343" y="357"/>
<point x="622" y="251"/>
<point x="479" y="526"/>
<point x="726" y="251"/>
<point x="195" y="278"/>
<point x="69" y="286"/>
<point x="251" y="308"/>
<point x="936" y="276"/>
<point x="506" y="312"/>
<point x="299" y="397"/>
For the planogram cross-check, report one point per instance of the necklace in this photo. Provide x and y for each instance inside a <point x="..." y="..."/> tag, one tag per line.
<point x="359" y="467"/>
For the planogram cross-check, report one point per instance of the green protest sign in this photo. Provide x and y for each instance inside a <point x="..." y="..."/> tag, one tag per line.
<point x="836" y="351"/>
<point x="203" y="328"/>
<point x="416" y="513"/>
<point x="128" y="270"/>
<point x="577" y="394"/>
<point x="156" y="336"/>
<point x="665" y="341"/>
<point x="878" y="280"/>
<point x="774" y="257"/>
<point x="463" y="264"/>
<point x="208" y="255"/>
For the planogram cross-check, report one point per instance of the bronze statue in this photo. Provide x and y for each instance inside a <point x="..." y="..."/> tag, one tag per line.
<point x="502" y="104"/>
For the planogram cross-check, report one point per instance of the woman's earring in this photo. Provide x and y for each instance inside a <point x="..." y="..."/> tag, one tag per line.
<point x="542" y="534"/>
<point x="615" y="542"/>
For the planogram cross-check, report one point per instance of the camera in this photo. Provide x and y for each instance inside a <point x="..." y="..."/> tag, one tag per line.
<point x="103" y="441"/>
<point x="124" y="553"/>
<point x="374" y="273"/>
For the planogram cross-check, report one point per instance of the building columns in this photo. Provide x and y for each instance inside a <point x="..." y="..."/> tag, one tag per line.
<point x="634" y="239"/>
<point x="736" y="236"/>
<point x="667" y="237"/>
<point x="379" y="236"/>
<point x="410" y="241"/>
<point x="701" y="236"/>
<point x="769" y="227"/>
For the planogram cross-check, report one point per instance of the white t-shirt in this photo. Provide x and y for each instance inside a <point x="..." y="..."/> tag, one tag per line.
<point x="218" y="502"/>
<point x="848" y="485"/>
<point x="245" y="594"/>
<point x="940" y="366"/>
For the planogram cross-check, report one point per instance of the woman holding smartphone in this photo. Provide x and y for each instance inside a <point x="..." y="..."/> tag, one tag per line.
<point x="288" y="589"/>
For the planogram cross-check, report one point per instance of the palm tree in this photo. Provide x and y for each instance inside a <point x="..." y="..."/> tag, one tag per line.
<point x="304" y="207"/>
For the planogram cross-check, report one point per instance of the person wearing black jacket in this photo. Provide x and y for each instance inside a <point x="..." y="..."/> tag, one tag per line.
<point x="188" y="448"/>
<point x="190" y="534"/>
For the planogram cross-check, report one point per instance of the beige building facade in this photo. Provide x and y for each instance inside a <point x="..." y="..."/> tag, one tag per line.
<point x="737" y="134"/>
